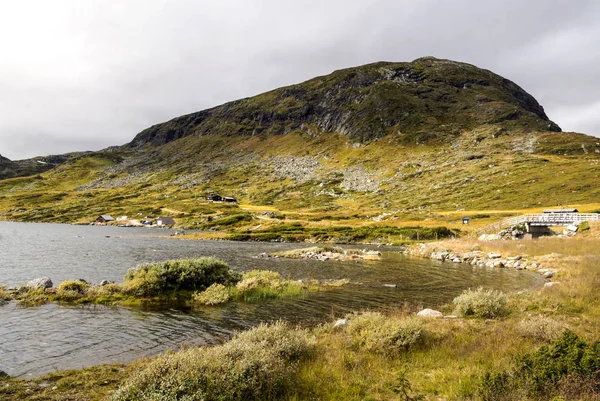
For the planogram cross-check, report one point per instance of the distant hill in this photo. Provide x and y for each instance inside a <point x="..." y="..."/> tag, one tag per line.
<point x="36" y="165"/>
<point x="376" y="144"/>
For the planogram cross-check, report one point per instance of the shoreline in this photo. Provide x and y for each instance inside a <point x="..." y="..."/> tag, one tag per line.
<point x="449" y="365"/>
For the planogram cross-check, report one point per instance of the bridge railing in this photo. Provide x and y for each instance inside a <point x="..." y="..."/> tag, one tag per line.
<point x="541" y="219"/>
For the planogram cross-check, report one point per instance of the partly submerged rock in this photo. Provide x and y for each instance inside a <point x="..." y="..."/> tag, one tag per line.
<point x="430" y="313"/>
<point x="42" y="282"/>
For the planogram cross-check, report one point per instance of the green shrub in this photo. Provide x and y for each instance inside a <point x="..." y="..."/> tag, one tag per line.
<point x="480" y="303"/>
<point x="583" y="226"/>
<point x="567" y="356"/>
<point x="214" y="295"/>
<point x="258" y="364"/>
<point x="376" y="332"/>
<point x="153" y="279"/>
<point x="568" y="367"/>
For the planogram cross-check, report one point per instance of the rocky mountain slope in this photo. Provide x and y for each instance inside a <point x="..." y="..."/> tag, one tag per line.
<point x="424" y="100"/>
<point x="384" y="143"/>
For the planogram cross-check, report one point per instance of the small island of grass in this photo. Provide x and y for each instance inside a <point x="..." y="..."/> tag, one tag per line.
<point x="187" y="282"/>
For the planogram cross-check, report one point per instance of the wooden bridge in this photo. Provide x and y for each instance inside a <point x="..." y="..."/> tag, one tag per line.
<point x="541" y="220"/>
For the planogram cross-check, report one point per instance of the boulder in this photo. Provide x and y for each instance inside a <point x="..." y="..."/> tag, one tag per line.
<point x="498" y="263"/>
<point x="42" y="282"/>
<point x="549" y="274"/>
<point x="551" y="284"/>
<point x="493" y="255"/>
<point x="489" y="237"/>
<point x="430" y="313"/>
<point x="573" y="228"/>
<point x="340" y="323"/>
<point x="3" y="375"/>
<point x="391" y="285"/>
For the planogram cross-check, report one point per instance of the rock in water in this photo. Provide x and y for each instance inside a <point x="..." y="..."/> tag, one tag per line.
<point x="430" y="313"/>
<point x="42" y="282"/>
<point x="3" y="375"/>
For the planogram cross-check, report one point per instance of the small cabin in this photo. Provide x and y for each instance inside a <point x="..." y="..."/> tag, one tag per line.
<point x="230" y="199"/>
<point x="466" y="220"/>
<point x="165" y="221"/>
<point x="214" y="198"/>
<point x="554" y="211"/>
<point x="103" y="219"/>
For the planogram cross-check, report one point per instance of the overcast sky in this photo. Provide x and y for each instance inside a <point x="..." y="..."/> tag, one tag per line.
<point x="87" y="74"/>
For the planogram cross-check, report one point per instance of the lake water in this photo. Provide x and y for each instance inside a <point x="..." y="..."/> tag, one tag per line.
<point x="37" y="340"/>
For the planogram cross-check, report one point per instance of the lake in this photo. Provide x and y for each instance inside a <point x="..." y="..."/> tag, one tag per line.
<point x="37" y="340"/>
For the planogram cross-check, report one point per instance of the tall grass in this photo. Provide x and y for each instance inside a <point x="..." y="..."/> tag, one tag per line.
<point x="258" y="285"/>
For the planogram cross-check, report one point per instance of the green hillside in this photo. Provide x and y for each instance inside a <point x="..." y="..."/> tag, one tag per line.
<point x="386" y="144"/>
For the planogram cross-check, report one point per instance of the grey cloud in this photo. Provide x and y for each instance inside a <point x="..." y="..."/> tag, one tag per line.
<point x="87" y="75"/>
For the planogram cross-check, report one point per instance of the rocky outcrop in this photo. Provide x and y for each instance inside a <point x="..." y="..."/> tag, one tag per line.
<point x="326" y="253"/>
<point x="478" y="258"/>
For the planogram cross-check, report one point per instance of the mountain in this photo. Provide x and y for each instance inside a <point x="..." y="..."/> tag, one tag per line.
<point x="425" y="100"/>
<point x="33" y="166"/>
<point x="382" y="144"/>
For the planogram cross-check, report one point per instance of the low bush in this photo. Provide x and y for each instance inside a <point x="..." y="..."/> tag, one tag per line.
<point x="214" y="295"/>
<point x="258" y="364"/>
<point x="480" y="303"/>
<point x="376" y="332"/>
<point x="152" y="279"/>
<point x="541" y="328"/>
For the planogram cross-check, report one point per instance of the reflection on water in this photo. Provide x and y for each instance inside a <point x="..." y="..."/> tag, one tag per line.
<point x="51" y="337"/>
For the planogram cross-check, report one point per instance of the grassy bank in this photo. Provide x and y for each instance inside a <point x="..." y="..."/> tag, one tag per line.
<point x="539" y="344"/>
